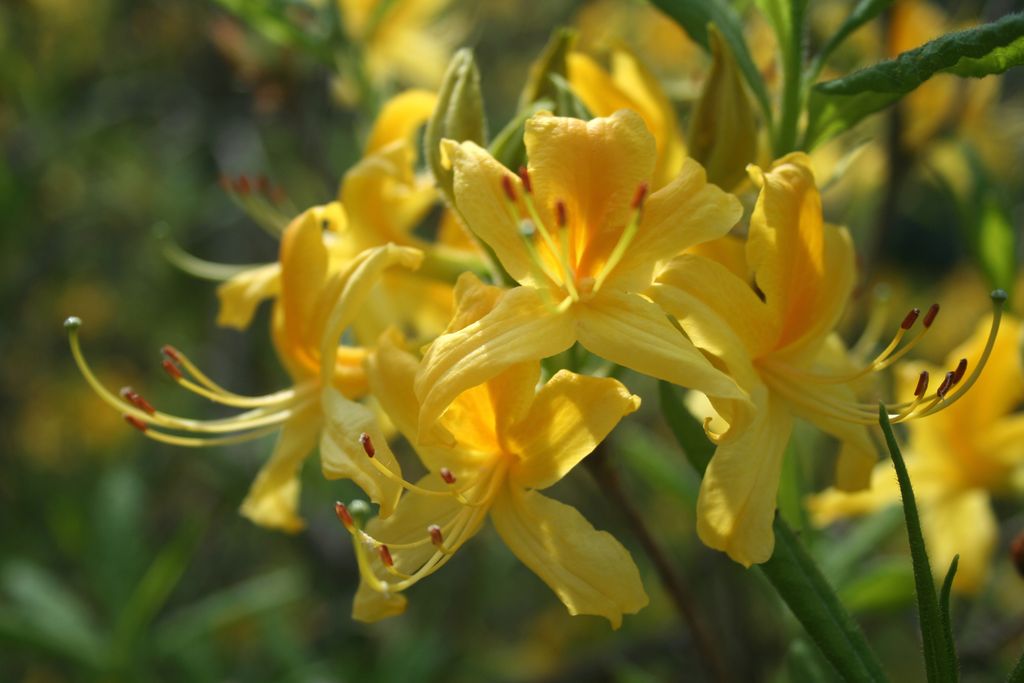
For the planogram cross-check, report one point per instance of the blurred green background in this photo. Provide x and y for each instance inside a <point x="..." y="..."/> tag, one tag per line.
<point x="124" y="560"/>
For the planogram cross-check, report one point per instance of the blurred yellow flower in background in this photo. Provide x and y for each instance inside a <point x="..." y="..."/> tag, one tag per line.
<point x="957" y="459"/>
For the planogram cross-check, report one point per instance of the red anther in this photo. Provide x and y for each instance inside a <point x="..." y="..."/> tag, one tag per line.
<point x="510" y="189"/>
<point x="133" y="397"/>
<point x="242" y="186"/>
<point x="436" y="537"/>
<point x="385" y="556"/>
<point x="922" y="384"/>
<point x="524" y="175"/>
<point x="946" y="385"/>
<point x="171" y="352"/>
<point x="447" y="475"/>
<point x="910" y="318"/>
<point x="263" y="183"/>
<point x="929" y="317"/>
<point x="958" y="372"/>
<point x="639" y="195"/>
<point x="344" y="515"/>
<point x="560" y="214"/>
<point x="136" y="422"/>
<point x="171" y="368"/>
<point x="367" y="443"/>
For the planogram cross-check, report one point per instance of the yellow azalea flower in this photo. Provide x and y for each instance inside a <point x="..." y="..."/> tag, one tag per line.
<point x="381" y="200"/>
<point x="577" y="235"/>
<point x="630" y="85"/>
<point x="511" y="440"/>
<point x="401" y="40"/>
<point x="314" y="309"/>
<point x="775" y="337"/>
<point x="957" y="460"/>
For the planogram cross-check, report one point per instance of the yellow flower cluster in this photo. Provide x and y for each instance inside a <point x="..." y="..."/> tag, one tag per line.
<point x="609" y="243"/>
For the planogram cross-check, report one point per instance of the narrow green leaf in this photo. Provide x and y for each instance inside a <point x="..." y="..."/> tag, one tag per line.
<point x="996" y="241"/>
<point x="865" y="11"/>
<point x="647" y="457"/>
<point x="695" y="15"/>
<point x="947" y="616"/>
<point x="882" y="585"/>
<point x="796" y="578"/>
<point x="837" y="105"/>
<point x="687" y="431"/>
<point x="507" y="146"/>
<point x="1017" y="675"/>
<point x="787" y="20"/>
<point x="803" y="664"/>
<point x="935" y="658"/>
<point x="840" y="559"/>
<point x="273" y="24"/>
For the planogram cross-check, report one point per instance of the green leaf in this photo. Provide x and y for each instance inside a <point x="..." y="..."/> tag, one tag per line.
<point x="551" y="61"/>
<point x="882" y="585"/>
<point x="796" y="578"/>
<point x="837" y="105"/>
<point x="840" y="559"/>
<point x="267" y="593"/>
<point x="787" y="20"/>
<point x="648" y="458"/>
<point x="939" y="663"/>
<point x="43" y="613"/>
<point x="695" y="15"/>
<point x="946" y="615"/>
<point x="688" y="432"/>
<point x="270" y="20"/>
<point x="507" y="146"/>
<point x="1017" y="675"/>
<point x="996" y="241"/>
<point x="865" y="11"/>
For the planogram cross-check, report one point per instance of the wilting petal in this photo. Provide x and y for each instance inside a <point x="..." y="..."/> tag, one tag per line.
<point x="960" y="522"/>
<point x="240" y="295"/>
<point x="630" y="330"/>
<point x="521" y="327"/>
<point x="481" y="200"/>
<point x="804" y="268"/>
<point x="342" y="455"/>
<point x="685" y="212"/>
<point x="736" y="504"/>
<point x="589" y="570"/>
<point x="570" y="416"/>
<point x="273" y="498"/>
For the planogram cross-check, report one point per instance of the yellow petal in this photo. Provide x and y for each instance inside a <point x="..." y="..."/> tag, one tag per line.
<point x="589" y="570"/>
<point x="960" y="523"/>
<point x="1000" y="388"/>
<point x="521" y="327"/>
<point x="833" y="504"/>
<point x="399" y="118"/>
<point x="359" y="283"/>
<point x="630" y="330"/>
<point x="391" y="370"/>
<point x="732" y="300"/>
<point x="342" y="455"/>
<point x="383" y="200"/>
<point x="684" y="213"/>
<point x="304" y="262"/>
<point x="570" y="416"/>
<point x="240" y="295"/>
<point x="736" y="504"/>
<point x="804" y="268"/>
<point x="273" y="498"/>
<point x="594" y="167"/>
<point x="369" y="605"/>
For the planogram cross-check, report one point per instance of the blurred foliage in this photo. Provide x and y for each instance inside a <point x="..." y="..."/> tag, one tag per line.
<point x="124" y="560"/>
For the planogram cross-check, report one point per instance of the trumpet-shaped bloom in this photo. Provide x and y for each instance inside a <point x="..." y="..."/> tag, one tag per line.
<point x="313" y="310"/>
<point x="511" y="440"/>
<point x="578" y="233"/>
<point x="775" y="337"/>
<point x="957" y="460"/>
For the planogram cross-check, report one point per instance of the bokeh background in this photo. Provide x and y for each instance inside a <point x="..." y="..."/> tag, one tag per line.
<point x="125" y="560"/>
